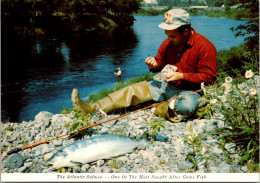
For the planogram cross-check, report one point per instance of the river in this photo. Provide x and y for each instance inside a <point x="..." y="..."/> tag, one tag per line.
<point x="40" y="75"/>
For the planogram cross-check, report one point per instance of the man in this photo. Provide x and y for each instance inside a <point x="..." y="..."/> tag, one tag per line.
<point x="190" y="52"/>
<point x="118" y="74"/>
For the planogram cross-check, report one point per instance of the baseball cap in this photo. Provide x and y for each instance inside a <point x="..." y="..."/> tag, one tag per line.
<point x="175" y="18"/>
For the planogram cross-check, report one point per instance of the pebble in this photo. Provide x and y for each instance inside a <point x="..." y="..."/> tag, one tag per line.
<point x="184" y="165"/>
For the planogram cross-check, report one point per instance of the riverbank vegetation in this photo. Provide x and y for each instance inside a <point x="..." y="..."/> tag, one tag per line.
<point x="39" y="17"/>
<point x="232" y="9"/>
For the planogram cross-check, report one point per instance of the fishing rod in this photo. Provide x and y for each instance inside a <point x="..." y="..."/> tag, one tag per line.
<point x="15" y="160"/>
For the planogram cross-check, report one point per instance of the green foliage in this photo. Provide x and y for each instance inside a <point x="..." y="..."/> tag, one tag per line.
<point x="151" y="11"/>
<point x="252" y="167"/>
<point x="198" y="150"/>
<point x="240" y="108"/>
<point x="155" y="126"/>
<point x="118" y="131"/>
<point x="236" y="60"/>
<point x="79" y="120"/>
<point x="69" y="15"/>
<point x="115" y="164"/>
<point x="205" y="110"/>
<point x="228" y="13"/>
<point x="250" y="28"/>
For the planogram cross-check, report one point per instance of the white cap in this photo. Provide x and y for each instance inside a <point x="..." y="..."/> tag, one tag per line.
<point x="175" y="18"/>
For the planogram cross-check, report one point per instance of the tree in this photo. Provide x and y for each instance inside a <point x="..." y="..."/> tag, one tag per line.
<point x="210" y="3"/>
<point x="250" y="28"/>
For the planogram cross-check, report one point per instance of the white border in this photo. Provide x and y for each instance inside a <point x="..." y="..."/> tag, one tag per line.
<point x="132" y="177"/>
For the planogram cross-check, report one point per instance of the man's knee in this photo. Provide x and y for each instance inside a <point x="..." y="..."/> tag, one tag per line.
<point x="186" y="105"/>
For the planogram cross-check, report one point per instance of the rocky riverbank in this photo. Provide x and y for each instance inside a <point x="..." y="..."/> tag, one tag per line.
<point x="168" y="153"/>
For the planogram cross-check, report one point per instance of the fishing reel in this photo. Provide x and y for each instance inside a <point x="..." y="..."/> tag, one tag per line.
<point x="15" y="159"/>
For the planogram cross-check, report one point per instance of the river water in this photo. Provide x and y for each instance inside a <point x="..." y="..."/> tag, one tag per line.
<point x="40" y="75"/>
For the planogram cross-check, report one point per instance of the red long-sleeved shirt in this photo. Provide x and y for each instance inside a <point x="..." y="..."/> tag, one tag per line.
<point x="198" y="62"/>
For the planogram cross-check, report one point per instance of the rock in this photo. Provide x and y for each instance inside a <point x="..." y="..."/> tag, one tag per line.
<point x="123" y="159"/>
<point x="161" y="138"/>
<point x="48" y="156"/>
<point x="57" y="142"/>
<point x="28" y="165"/>
<point x="141" y="170"/>
<point x="231" y="147"/>
<point x="137" y="161"/>
<point x="184" y="165"/>
<point x="224" y="168"/>
<point x="47" y="123"/>
<point x="244" y="169"/>
<point x="85" y="167"/>
<point x="217" y="150"/>
<point x="100" y="163"/>
<point x="22" y="169"/>
<point x="39" y="118"/>
<point x="60" y="120"/>
<point x="45" y="148"/>
<point x="107" y="170"/>
<point x="213" y="169"/>
<point x="98" y="170"/>
<point x="133" y="156"/>
<point x="148" y="155"/>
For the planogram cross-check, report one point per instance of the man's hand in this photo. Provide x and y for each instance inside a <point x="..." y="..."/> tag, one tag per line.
<point x="176" y="76"/>
<point x="151" y="62"/>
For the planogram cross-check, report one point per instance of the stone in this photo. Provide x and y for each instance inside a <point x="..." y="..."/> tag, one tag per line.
<point x="224" y="168"/>
<point x="98" y="170"/>
<point x="148" y="155"/>
<point x="137" y="161"/>
<point x="244" y="169"/>
<point x="48" y="156"/>
<point x="57" y="142"/>
<point x="47" y="123"/>
<point x="100" y="163"/>
<point x="217" y="150"/>
<point x="28" y="165"/>
<point x="141" y="170"/>
<point x="133" y="156"/>
<point x="45" y="148"/>
<point x="161" y="138"/>
<point x="184" y="165"/>
<point x="40" y="117"/>
<point x="85" y="167"/>
<point x="60" y="119"/>
<point x="22" y="169"/>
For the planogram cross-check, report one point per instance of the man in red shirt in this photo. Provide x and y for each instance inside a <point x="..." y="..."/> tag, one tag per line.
<point x="195" y="59"/>
<point x="192" y="54"/>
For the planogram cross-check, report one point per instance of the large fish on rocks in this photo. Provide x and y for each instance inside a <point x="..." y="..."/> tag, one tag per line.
<point x="95" y="148"/>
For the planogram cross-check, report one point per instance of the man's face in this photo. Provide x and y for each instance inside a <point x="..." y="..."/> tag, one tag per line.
<point x="175" y="37"/>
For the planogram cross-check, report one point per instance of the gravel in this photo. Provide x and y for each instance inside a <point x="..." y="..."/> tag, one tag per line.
<point x="168" y="153"/>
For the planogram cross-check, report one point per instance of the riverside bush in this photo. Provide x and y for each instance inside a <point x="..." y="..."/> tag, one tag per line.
<point x="238" y="103"/>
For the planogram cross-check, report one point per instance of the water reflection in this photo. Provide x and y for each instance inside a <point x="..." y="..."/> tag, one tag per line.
<point x="44" y="75"/>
